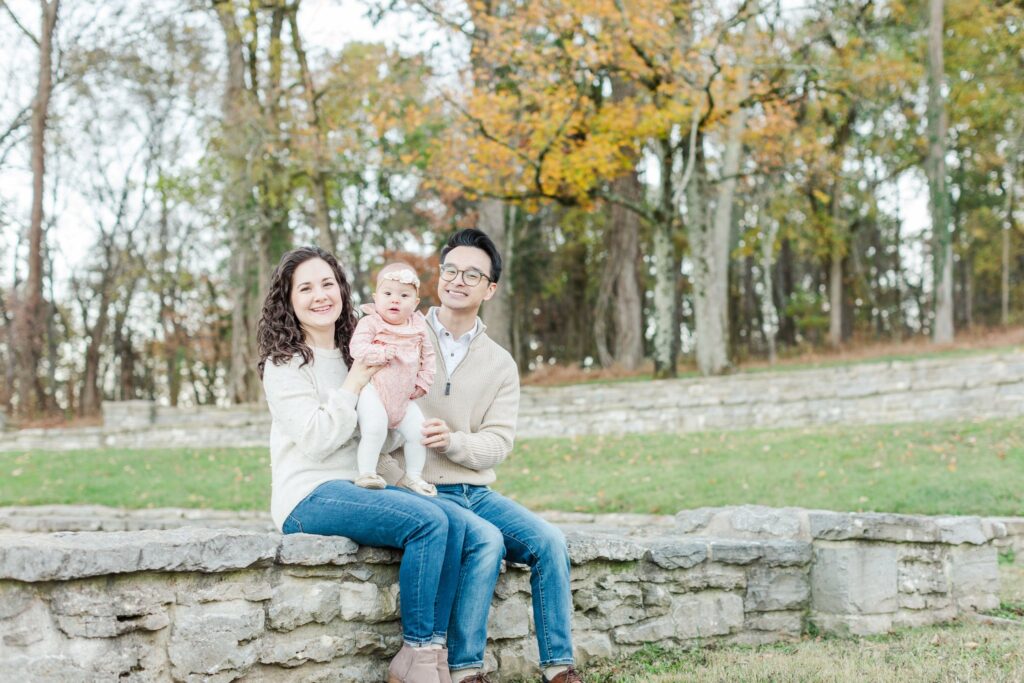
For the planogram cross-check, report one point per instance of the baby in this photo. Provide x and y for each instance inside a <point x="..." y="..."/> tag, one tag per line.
<point x="394" y="334"/>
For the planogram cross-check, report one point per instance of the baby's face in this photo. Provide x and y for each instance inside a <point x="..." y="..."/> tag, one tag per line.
<point x="395" y="301"/>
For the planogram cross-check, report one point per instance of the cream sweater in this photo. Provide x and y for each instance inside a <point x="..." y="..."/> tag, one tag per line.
<point x="480" y="403"/>
<point x="313" y="434"/>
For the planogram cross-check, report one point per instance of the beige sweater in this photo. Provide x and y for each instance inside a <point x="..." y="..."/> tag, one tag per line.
<point x="313" y="429"/>
<point x="480" y="403"/>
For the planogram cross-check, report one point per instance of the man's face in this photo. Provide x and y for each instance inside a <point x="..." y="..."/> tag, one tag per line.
<point x="457" y="295"/>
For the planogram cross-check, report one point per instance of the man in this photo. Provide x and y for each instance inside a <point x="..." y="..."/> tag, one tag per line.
<point x="471" y="414"/>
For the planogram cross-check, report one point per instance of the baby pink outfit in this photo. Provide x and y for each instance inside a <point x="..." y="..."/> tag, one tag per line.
<point x="412" y="365"/>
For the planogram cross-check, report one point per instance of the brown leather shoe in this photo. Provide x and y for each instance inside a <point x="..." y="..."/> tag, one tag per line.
<point x="570" y="675"/>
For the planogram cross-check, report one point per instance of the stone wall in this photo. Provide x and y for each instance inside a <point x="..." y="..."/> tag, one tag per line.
<point x="216" y="604"/>
<point x="973" y="387"/>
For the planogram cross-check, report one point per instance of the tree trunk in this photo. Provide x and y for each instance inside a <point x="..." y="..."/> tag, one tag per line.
<point x="497" y="312"/>
<point x="666" y="270"/>
<point x="28" y="324"/>
<point x="619" y="290"/>
<point x="1010" y="187"/>
<point x="318" y="174"/>
<point x="769" y="315"/>
<point x="835" y="277"/>
<point x="942" y="243"/>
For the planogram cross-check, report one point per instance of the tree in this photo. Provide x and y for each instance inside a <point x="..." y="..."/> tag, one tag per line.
<point x="942" y="242"/>
<point x="28" y="321"/>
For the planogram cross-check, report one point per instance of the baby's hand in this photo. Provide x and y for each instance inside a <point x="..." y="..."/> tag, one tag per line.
<point x="389" y="352"/>
<point x="417" y="393"/>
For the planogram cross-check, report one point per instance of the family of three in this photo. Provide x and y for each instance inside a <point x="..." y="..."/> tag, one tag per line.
<point x="345" y="394"/>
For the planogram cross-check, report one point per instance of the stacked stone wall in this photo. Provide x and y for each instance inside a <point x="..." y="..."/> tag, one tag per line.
<point x="165" y="597"/>
<point x="974" y="387"/>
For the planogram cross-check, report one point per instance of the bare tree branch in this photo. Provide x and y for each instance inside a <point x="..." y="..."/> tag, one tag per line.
<point x="21" y="27"/>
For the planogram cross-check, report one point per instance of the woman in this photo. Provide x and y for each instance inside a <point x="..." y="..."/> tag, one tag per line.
<point x="312" y="387"/>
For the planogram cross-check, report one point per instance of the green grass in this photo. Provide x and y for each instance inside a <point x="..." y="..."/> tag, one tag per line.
<point x="957" y="652"/>
<point x="222" y="478"/>
<point x="927" y="468"/>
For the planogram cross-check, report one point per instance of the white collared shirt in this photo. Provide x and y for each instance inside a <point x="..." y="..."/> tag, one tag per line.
<point x="452" y="350"/>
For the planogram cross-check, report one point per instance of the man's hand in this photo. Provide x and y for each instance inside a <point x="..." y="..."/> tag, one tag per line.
<point x="417" y="393"/>
<point x="436" y="434"/>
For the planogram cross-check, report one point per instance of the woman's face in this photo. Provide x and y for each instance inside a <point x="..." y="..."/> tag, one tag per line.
<point x="316" y="297"/>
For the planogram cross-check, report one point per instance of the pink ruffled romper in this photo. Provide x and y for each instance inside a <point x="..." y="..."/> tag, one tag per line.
<point x="411" y="367"/>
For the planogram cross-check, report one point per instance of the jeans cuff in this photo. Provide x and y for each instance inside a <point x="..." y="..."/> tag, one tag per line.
<point x="479" y="664"/>
<point x="439" y="639"/>
<point x="416" y="642"/>
<point x="558" y="662"/>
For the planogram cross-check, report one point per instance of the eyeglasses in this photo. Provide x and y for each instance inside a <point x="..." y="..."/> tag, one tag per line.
<point x="471" y="277"/>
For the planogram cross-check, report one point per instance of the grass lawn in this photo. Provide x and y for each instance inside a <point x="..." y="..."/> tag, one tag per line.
<point x="928" y="468"/>
<point x="957" y="652"/>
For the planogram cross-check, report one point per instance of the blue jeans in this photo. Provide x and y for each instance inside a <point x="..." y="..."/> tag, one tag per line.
<point x="431" y="542"/>
<point x="497" y="528"/>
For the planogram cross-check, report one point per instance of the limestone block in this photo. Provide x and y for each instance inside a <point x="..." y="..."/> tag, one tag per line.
<point x="300" y="601"/>
<point x="693" y="615"/>
<point x="852" y="624"/>
<point x="319" y="643"/>
<point x="681" y="554"/>
<point x="913" y="618"/>
<point x="514" y="659"/>
<point x="917" y="601"/>
<point x="842" y="526"/>
<point x="854" y="579"/>
<point x="957" y="530"/>
<point x="974" y="576"/>
<point x="514" y="581"/>
<point x="783" y="623"/>
<point x="770" y="589"/>
<point x="63" y="556"/>
<point x="701" y="577"/>
<point x="334" y="671"/>
<point x="922" y="577"/>
<point x="15" y="598"/>
<point x="759" y="521"/>
<point x="368" y="602"/>
<point x="585" y="548"/>
<point x="590" y="645"/>
<point x="783" y="553"/>
<point x="31" y="630"/>
<point x="313" y="550"/>
<point x="93" y="626"/>
<point x="123" y="415"/>
<point x="655" y="596"/>
<point x="214" y="638"/>
<point x="509" y="618"/>
<point x="189" y="589"/>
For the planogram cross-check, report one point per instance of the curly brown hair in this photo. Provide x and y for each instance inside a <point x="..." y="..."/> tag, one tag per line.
<point x="278" y="333"/>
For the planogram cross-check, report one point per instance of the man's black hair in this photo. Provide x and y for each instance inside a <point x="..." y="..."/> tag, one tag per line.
<point x="471" y="237"/>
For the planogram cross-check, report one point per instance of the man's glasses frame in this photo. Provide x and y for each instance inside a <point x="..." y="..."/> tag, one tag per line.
<point x="471" y="276"/>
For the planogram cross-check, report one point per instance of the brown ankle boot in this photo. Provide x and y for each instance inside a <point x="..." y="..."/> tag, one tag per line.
<point x="414" y="665"/>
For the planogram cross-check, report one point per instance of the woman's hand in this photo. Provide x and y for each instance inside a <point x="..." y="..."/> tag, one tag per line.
<point x="359" y="374"/>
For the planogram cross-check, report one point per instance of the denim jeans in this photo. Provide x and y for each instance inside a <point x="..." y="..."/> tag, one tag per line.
<point x="431" y="542"/>
<point x="501" y="528"/>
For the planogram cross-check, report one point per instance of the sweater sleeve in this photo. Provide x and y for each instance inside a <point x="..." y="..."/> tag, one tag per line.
<point x="318" y="429"/>
<point x="425" y="376"/>
<point x="489" y="445"/>
<point x="362" y="345"/>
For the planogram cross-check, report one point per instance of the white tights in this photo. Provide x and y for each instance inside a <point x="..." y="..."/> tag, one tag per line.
<point x="373" y="430"/>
